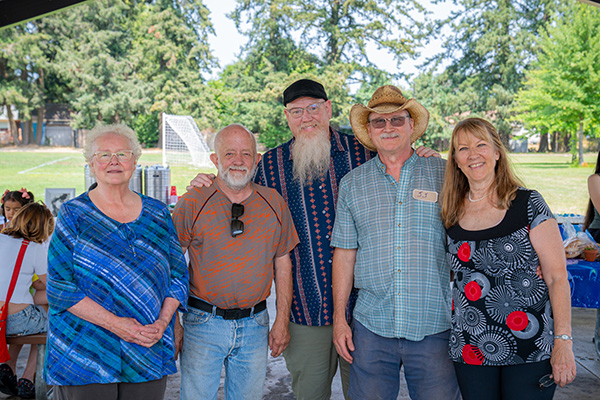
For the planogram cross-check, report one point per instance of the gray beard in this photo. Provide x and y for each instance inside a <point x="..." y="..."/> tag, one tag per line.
<point x="233" y="182"/>
<point x="311" y="157"/>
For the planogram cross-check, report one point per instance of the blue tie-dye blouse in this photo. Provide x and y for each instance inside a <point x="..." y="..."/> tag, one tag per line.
<point x="127" y="268"/>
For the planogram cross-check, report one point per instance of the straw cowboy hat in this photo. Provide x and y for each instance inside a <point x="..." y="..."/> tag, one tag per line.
<point x="387" y="99"/>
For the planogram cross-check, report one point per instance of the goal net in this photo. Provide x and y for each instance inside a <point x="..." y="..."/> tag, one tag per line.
<point x="183" y="144"/>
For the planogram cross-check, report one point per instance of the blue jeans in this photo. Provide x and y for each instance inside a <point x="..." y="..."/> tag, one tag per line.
<point x="375" y="370"/>
<point x="209" y="342"/>
<point x="29" y="321"/>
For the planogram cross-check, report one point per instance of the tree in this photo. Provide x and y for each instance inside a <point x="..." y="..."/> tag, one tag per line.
<point x="561" y="93"/>
<point x="332" y="48"/>
<point x="170" y="53"/>
<point x="25" y="65"/>
<point x="341" y="31"/>
<point x="94" y="59"/>
<point x="491" y="46"/>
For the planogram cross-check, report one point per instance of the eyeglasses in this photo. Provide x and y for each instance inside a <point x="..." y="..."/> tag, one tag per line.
<point x="297" y="112"/>
<point x="104" y="157"/>
<point x="397" y="121"/>
<point x="546" y="381"/>
<point x="237" y="226"/>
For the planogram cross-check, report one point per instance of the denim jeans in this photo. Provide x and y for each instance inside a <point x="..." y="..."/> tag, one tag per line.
<point x="209" y="342"/>
<point x="28" y="321"/>
<point x="375" y="371"/>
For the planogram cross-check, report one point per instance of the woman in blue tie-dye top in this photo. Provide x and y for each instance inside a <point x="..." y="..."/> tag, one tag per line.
<point x="116" y="276"/>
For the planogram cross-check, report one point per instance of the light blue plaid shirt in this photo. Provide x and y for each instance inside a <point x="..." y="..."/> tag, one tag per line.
<point x="401" y="270"/>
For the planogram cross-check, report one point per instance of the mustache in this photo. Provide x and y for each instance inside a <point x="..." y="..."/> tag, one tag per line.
<point x="235" y="168"/>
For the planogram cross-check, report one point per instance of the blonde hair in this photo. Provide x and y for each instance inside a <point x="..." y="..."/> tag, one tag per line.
<point x="117" y="129"/>
<point x="456" y="184"/>
<point x="33" y="222"/>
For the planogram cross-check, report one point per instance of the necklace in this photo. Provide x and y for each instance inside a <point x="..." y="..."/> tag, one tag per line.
<point x="475" y="201"/>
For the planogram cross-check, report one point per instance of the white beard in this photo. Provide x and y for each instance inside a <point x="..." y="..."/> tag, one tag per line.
<point x="235" y="182"/>
<point x="311" y="155"/>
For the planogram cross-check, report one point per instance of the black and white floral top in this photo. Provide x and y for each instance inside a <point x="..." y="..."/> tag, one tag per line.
<point x="501" y="312"/>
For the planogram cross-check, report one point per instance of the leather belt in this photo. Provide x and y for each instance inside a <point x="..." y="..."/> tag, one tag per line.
<point x="229" y="313"/>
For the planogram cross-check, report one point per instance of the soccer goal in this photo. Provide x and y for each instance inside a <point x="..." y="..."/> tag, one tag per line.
<point x="183" y="143"/>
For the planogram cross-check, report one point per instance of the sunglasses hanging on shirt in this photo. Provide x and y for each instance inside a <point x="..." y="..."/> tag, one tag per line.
<point x="237" y="226"/>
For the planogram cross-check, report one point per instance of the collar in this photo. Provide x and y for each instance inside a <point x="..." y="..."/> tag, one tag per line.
<point x="220" y="190"/>
<point x="334" y="138"/>
<point x="407" y="164"/>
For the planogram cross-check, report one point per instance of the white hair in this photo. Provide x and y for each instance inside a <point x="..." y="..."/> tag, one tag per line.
<point x="312" y="155"/>
<point x="117" y="129"/>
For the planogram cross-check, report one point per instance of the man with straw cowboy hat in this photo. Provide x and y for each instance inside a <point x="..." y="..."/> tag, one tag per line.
<point x="389" y="241"/>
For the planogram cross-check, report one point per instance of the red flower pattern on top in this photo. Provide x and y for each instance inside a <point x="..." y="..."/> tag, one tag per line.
<point x="473" y="291"/>
<point x="472" y="355"/>
<point x="464" y="252"/>
<point x="517" y="320"/>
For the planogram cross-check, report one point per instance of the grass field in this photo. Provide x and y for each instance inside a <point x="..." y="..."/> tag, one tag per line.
<point x="564" y="187"/>
<point x="64" y="168"/>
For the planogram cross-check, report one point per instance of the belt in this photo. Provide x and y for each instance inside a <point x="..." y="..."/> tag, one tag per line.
<point x="230" y="313"/>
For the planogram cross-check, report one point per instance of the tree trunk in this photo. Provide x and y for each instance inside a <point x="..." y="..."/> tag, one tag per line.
<point x="580" y="135"/>
<point x="558" y="142"/>
<point x="13" y="125"/>
<point x="40" y="125"/>
<point x="543" y="147"/>
<point x="567" y="142"/>
<point x="504" y="138"/>
<point x="26" y="133"/>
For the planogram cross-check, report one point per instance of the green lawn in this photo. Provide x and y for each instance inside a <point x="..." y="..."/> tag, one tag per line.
<point x="37" y="170"/>
<point x="564" y="187"/>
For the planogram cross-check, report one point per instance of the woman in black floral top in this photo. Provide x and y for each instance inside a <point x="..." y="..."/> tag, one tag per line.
<point x="511" y="329"/>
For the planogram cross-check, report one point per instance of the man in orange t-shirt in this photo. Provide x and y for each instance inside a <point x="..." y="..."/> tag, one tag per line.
<point x="238" y="236"/>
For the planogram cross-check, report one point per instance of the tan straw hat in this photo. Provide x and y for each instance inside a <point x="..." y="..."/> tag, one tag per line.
<point x="387" y="99"/>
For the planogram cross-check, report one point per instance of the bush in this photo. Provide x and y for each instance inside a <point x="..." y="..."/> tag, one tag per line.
<point x="146" y="127"/>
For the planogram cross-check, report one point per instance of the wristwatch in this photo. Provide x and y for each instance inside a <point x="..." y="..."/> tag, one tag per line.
<point x="563" y="337"/>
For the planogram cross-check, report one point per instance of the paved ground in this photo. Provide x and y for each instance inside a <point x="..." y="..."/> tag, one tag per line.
<point x="585" y="387"/>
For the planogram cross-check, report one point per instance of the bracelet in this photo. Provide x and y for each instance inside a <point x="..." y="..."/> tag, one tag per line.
<point x="563" y="337"/>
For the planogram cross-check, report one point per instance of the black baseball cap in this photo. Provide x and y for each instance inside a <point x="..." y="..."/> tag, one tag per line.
<point x="304" y="88"/>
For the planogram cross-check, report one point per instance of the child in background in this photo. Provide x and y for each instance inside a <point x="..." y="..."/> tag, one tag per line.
<point x="12" y="202"/>
<point x="33" y="222"/>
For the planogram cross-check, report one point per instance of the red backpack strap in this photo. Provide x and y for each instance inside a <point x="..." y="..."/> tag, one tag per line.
<point x="15" y="275"/>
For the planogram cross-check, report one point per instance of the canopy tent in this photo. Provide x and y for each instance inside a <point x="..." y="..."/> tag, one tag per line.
<point x="14" y="11"/>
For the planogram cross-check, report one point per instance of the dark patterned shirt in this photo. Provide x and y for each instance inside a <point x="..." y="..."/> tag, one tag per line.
<point x="313" y="213"/>
<point x="501" y="312"/>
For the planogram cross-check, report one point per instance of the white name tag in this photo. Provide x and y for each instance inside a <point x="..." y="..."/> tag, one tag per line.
<point x="425" y="195"/>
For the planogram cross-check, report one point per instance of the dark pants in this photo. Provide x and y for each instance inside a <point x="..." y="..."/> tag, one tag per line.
<point x="375" y="371"/>
<point x="152" y="390"/>
<point x="510" y="382"/>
